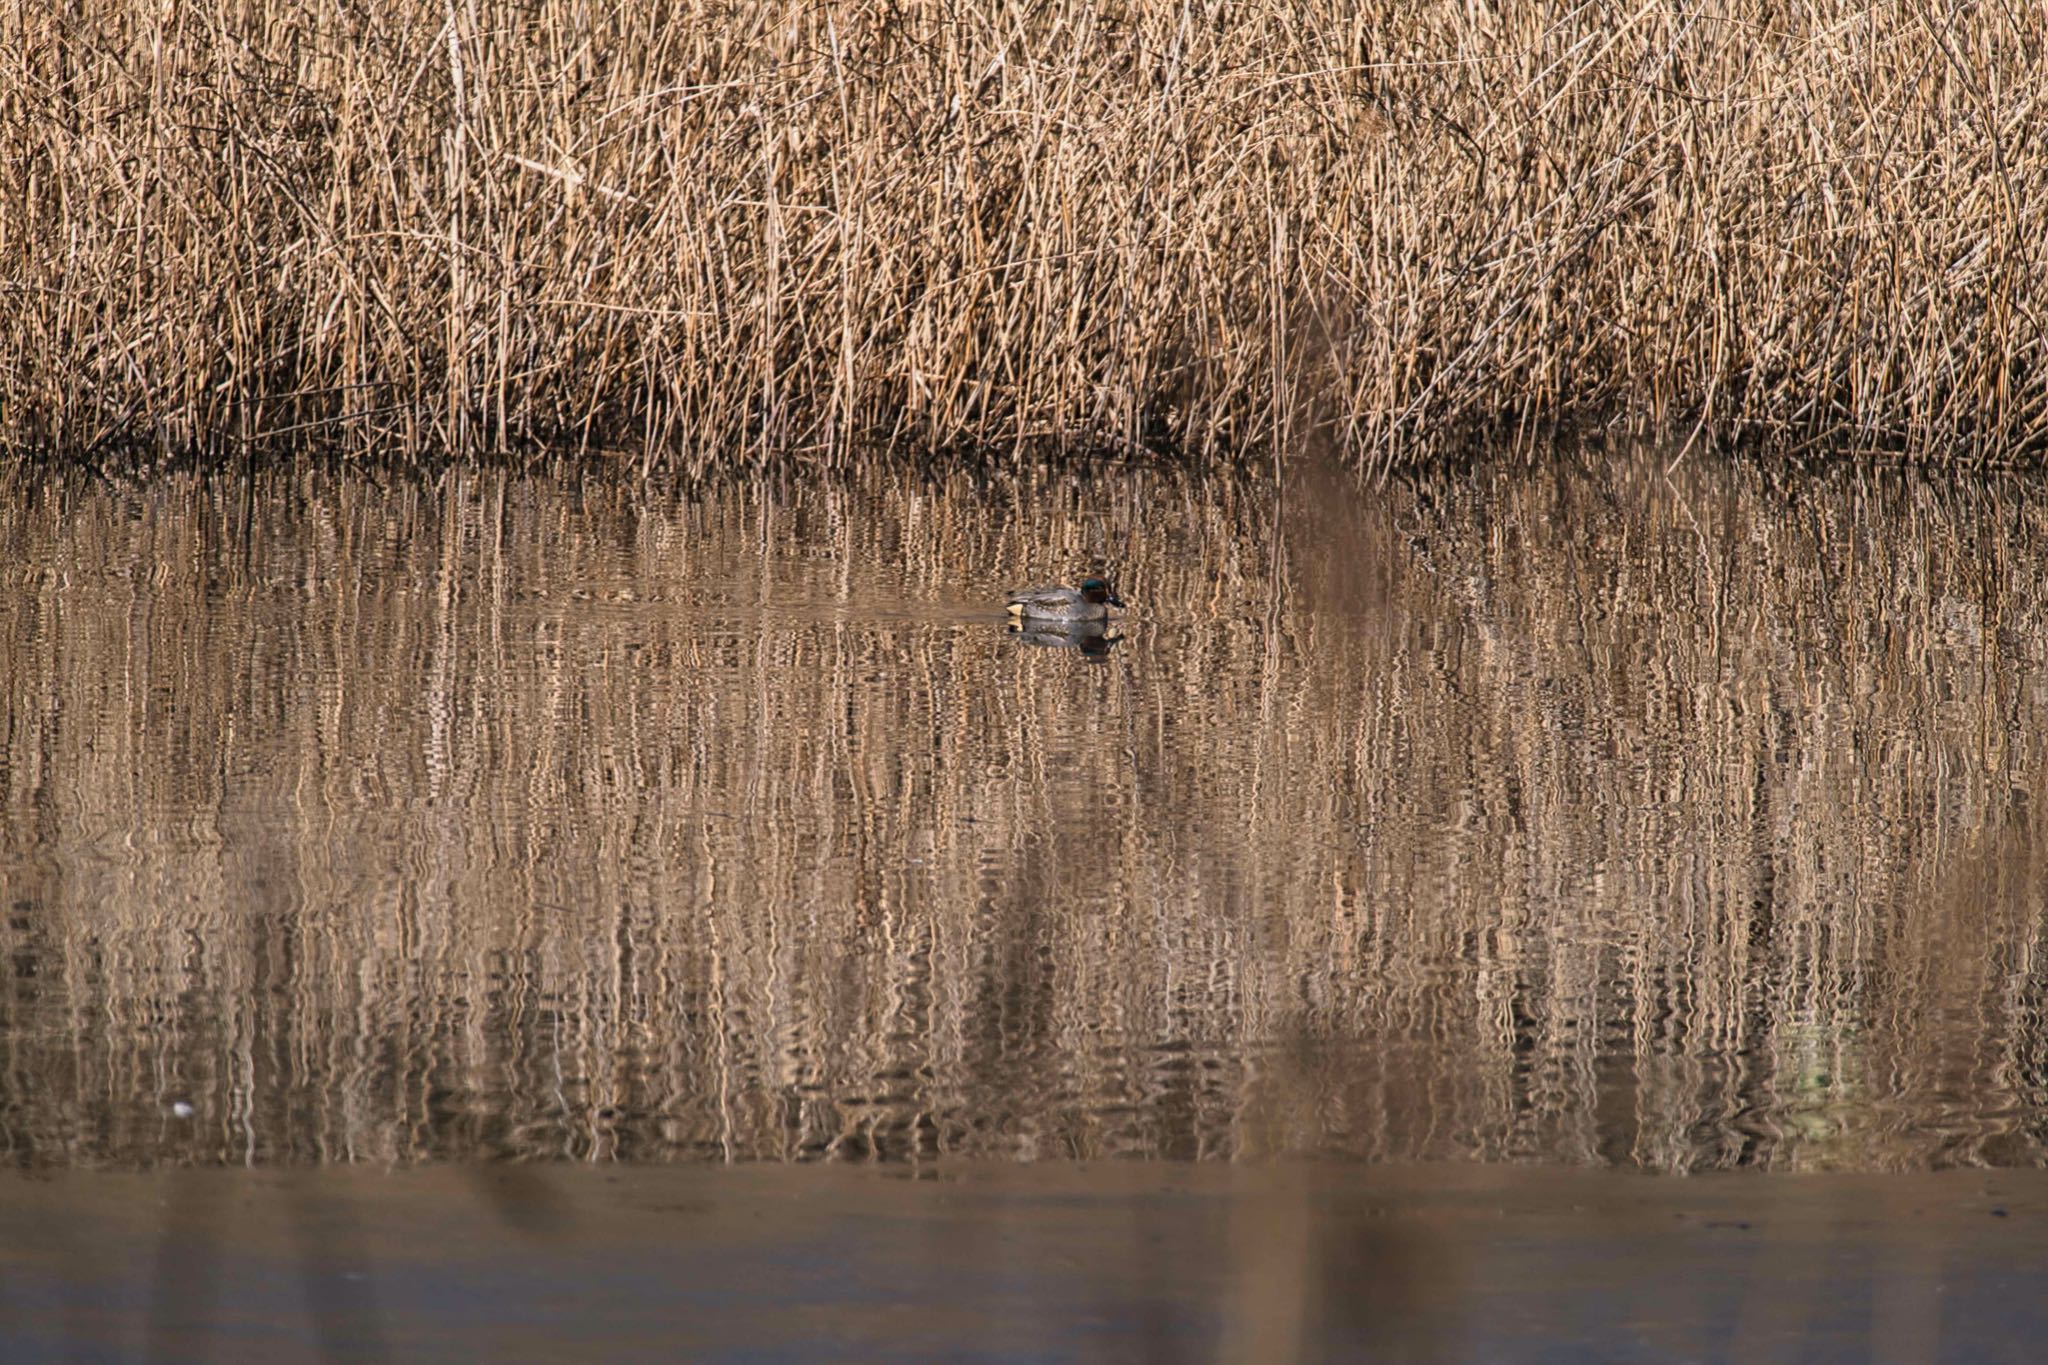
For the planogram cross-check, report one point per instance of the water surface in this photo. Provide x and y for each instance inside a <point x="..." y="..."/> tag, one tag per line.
<point x="1589" y="815"/>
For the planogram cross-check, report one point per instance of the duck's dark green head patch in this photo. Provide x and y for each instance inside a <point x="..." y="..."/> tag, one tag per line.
<point x="1098" y="590"/>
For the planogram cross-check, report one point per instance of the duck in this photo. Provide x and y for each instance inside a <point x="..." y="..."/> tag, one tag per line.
<point x="1089" y="602"/>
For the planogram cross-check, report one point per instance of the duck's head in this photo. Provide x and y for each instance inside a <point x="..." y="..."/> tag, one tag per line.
<point x="1098" y="591"/>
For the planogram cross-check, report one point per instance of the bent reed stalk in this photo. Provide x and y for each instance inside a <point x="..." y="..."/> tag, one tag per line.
<point x="726" y="233"/>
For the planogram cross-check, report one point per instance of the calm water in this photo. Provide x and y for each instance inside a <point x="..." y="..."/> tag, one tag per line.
<point x="1588" y="816"/>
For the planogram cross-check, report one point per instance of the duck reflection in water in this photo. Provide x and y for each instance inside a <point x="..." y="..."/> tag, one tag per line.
<point x="1091" y="638"/>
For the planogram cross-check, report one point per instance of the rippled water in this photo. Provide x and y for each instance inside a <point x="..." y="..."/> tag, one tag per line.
<point x="1587" y="815"/>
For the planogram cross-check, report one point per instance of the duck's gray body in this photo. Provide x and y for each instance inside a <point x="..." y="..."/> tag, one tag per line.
<point x="1089" y="602"/>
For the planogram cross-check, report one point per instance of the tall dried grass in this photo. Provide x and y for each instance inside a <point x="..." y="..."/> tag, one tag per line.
<point x="721" y="231"/>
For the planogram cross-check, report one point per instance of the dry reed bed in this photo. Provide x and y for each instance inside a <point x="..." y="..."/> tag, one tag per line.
<point x="723" y="232"/>
<point x="1682" y="824"/>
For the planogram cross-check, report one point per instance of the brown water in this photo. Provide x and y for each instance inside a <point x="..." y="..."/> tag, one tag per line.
<point x="1587" y="816"/>
<point x="1055" y="1261"/>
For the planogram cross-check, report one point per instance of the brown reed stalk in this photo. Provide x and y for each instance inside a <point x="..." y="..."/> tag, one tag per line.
<point x="717" y="232"/>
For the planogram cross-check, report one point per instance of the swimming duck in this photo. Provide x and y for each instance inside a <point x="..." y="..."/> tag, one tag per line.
<point x="1089" y="602"/>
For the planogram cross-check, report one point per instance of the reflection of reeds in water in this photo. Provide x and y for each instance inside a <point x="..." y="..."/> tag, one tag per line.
<point x="1579" y="815"/>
